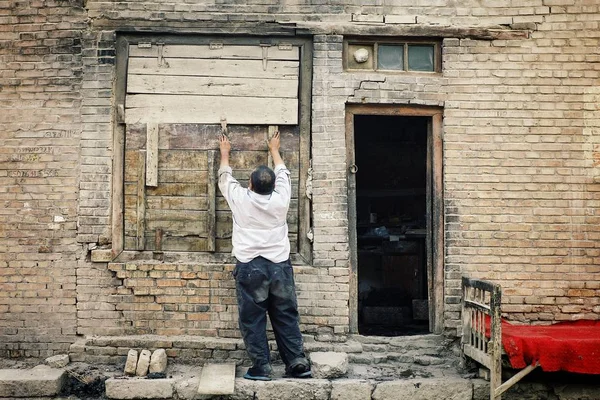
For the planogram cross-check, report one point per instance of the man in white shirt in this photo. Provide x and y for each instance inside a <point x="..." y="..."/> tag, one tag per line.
<point x="263" y="272"/>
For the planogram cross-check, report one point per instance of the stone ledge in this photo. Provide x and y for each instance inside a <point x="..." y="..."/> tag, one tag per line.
<point x="37" y="382"/>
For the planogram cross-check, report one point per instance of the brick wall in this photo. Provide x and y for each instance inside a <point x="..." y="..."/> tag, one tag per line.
<point x="40" y="78"/>
<point x="520" y="157"/>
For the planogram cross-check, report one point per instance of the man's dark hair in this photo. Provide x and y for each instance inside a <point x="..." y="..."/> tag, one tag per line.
<point x="263" y="180"/>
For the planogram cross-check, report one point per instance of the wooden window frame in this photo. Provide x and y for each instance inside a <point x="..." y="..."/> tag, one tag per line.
<point x="434" y="189"/>
<point x="303" y="256"/>
<point x="374" y="43"/>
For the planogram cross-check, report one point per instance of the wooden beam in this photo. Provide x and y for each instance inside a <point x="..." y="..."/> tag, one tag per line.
<point x="227" y="51"/>
<point x="152" y="154"/>
<point x="513" y="380"/>
<point x="212" y="197"/>
<point x="141" y="203"/>
<point x="412" y="30"/>
<point x="210" y="110"/>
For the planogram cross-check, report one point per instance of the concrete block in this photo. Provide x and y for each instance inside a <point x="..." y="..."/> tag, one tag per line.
<point x="327" y="365"/>
<point x="217" y="379"/>
<point x="37" y="382"/>
<point x="351" y="389"/>
<point x="136" y="388"/>
<point x="158" y="361"/>
<point x="424" y="389"/>
<point x="143" y="363"/>
<point x="131" y="363"/>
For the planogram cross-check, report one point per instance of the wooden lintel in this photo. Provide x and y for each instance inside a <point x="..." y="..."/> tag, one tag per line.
<point x="152" y="155"/>
<point x="196" y="27"/>
<point x="413" y="30"/>
<point x="212" y="195"/>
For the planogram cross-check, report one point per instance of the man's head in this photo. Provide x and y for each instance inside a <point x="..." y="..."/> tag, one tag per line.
<point x="262" y="180"/>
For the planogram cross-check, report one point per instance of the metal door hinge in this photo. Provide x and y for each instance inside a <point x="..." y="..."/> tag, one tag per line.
<point x="144" y="45"/>
<point x="285" y="46"/>
<point x="215" y="45"/>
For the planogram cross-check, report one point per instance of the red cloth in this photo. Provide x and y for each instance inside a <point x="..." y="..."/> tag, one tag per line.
<point x="572" y="346"/>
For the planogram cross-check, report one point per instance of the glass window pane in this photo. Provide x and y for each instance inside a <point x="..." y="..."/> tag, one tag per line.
<point x="420" y="58"/>
<point x="390" y="57"/>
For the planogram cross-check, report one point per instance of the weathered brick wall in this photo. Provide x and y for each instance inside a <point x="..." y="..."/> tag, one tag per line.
<point x="520" y="125"/>
<point x="40" y="78"/>
<point x="521" y="194"/>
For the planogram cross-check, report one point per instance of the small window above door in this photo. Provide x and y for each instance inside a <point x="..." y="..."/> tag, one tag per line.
<point x="392" y="56"/>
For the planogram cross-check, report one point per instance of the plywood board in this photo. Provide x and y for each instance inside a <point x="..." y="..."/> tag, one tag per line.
<point x="227" y="51"/>
<point x="212" y="86"/>
<point x="227" y="68"/>
<point x="210" y="110"/>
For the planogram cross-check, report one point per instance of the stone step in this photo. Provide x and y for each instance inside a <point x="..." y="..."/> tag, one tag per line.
<point x="294" y="389"/>
<point x="39" y="381"/>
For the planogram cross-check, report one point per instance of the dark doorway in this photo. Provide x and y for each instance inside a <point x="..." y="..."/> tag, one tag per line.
<point x="390" y="154"/>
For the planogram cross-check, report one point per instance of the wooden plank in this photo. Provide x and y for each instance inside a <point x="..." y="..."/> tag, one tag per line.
<point x="141" y="203"/>
<point x="182" y="176"/>
<point x="212" y="86"/>
<point x="228" y="51"/>
<point x="152" y="154"/>
<point x="217" y="379"/>
<point x="206" y="137"/>
<point x="212" y="196"/>
<point x="181" y="160"/>
<point x="478" y="355"/>
<point x="276" y="70"/>
<point x="135" y="137"/>
<point x="178" y="189"/>
<point x="210" y="110"/>
<point x="177" y="203"/>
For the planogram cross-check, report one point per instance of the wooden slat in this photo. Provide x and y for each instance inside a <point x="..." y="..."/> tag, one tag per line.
<point x="182" y="159"/>
<point x="479" y="356"/>
<point x="212" y="196"/>
<point x="141" y="202"/>
<point x="227" y="52"/>
<point x="183" y="67"/>
<point x="210" y="110"/>
<point x="213" y="86"/>
<point x="152" y="155"/>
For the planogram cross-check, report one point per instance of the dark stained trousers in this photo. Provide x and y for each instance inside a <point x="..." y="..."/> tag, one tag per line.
<point x="266" y="287"/>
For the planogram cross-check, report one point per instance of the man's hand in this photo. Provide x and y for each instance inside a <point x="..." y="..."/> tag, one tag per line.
<point x="274" y="144"/>
<point x="225" y="147"/>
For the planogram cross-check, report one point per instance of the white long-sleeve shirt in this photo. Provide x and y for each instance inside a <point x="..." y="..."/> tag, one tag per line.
<point x="259" y="221"/>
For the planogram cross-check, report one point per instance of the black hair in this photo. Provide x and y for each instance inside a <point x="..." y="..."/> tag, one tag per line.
<point x="263" y="180"/>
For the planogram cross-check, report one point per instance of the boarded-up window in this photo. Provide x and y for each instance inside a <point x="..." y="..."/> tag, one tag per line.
<point x="177" y="100"/>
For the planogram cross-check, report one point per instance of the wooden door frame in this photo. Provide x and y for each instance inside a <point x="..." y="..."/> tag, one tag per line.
<point x="303" y="256"/>
<point x="435" y="220"/>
